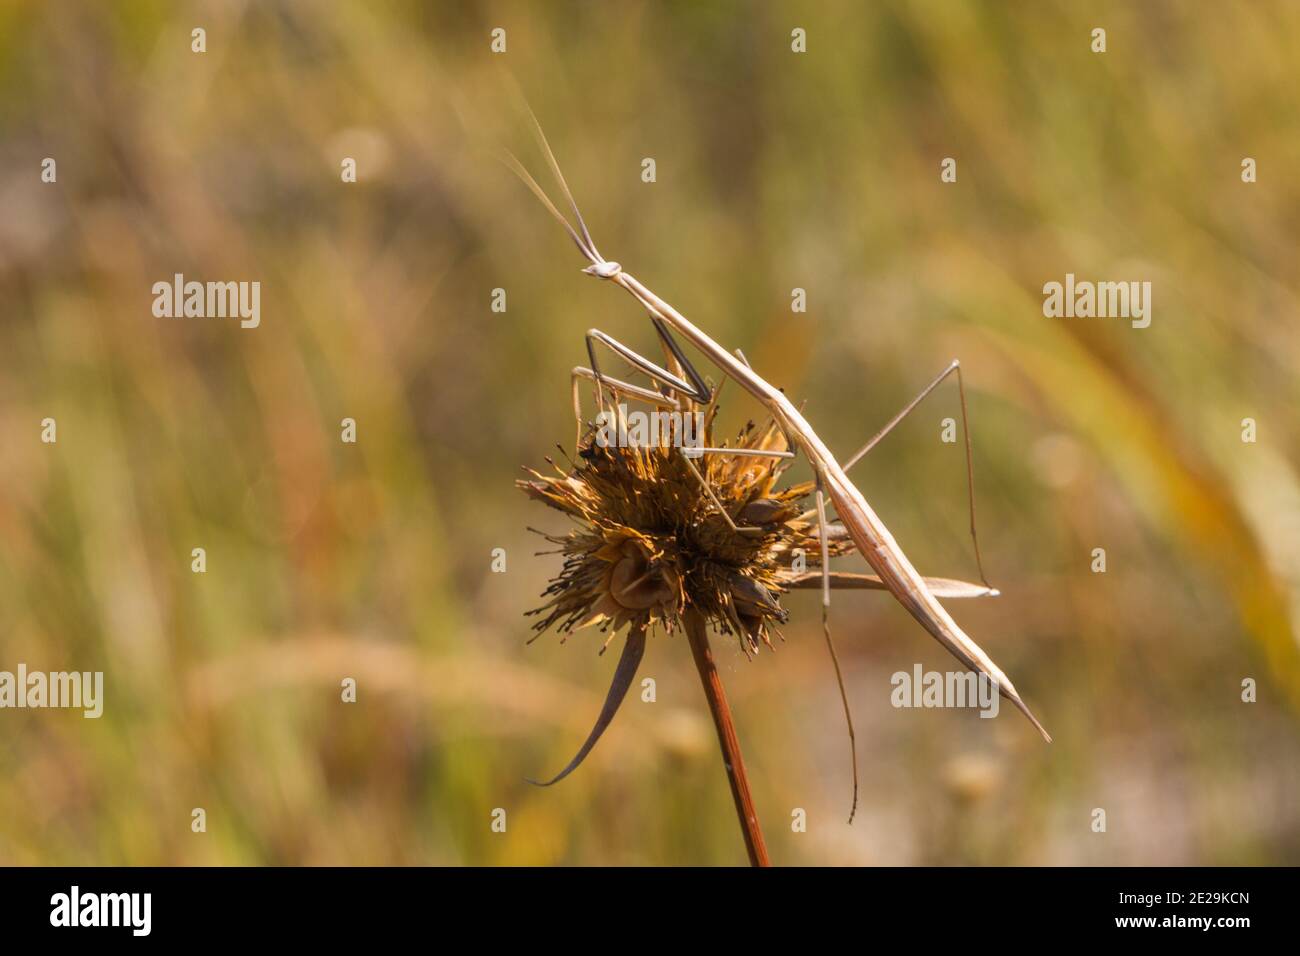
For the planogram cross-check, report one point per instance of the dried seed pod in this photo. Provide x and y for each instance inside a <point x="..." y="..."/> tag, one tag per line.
<point x="767" y="511"/>
<point x="636" y="585"/>
<point x="753" y="595"/>
<point x="650" y="543"/>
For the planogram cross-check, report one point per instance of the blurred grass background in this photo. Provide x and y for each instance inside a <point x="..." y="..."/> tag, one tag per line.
<point x="775" y="171"/>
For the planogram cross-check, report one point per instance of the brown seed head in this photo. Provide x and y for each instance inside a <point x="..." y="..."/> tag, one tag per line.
<point x="650" y="543"/>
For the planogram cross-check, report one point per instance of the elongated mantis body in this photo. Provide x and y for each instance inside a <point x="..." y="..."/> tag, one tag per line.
<point x="873" y="539"/>
<point x="893" y="570"/>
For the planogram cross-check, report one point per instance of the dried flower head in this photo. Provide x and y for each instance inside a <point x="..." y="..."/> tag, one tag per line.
<point x="651" y="544"/>
<point x="652" y="549"/>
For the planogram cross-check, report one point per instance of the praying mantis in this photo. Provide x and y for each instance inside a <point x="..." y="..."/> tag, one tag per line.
<point x="679" y="382"/>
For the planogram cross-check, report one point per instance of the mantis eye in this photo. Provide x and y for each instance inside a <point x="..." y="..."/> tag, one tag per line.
<point x="604" y="270"/>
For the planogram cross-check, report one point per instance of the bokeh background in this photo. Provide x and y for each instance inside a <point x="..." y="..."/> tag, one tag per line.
<point x="774" y="171"/>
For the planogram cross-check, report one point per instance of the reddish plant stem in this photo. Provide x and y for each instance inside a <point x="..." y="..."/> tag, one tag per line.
<point x="697" y="634"/>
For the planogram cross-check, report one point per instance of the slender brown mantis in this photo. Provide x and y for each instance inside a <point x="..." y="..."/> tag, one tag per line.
<point x="681" y="382"/>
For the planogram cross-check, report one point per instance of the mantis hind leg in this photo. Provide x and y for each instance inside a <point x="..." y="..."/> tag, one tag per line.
<point x="830" y="644"/>
<point x="954" y="366"/>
